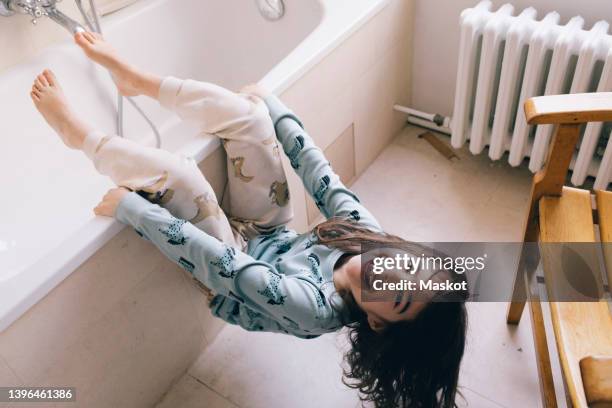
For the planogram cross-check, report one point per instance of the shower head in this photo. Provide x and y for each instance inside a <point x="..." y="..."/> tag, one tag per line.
<point x="37" y="9"/>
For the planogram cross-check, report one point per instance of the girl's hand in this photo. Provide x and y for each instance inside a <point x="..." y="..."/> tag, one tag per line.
<point x="110" y="202"/>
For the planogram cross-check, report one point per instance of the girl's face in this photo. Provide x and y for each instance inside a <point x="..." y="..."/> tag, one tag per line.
<point x="380" y="309"/>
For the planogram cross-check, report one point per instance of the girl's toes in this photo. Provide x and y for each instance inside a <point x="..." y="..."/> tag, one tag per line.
<point x="42" y="79"/>
<point x="80" y="39"/>
<point x="90" y="37"/>
<point x="38" y="85"/>
<point x="49" y="77"/>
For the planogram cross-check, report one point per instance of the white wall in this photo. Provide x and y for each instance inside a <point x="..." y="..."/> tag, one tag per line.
<point x="436" y="40"/>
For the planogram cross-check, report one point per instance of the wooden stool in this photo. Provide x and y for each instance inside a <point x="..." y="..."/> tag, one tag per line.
<point x="582" y="330"/>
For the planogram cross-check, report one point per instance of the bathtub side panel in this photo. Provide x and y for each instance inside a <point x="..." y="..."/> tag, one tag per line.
<point x="120" y="329"/>
<point x="356" y="84"/>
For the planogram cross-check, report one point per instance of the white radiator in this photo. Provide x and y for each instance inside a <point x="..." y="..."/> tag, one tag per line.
<point x="505" y="59"/>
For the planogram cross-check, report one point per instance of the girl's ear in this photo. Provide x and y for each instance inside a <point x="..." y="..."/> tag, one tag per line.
<point x="375" y="324"/>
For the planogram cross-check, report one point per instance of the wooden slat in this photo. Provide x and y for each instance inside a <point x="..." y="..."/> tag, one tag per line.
<point x="581" y="329"/>
<point x="573" y="108"/>
<point x="567" y="218"/>
<point x="597" y="379"/>
<point x="604" y="208"/>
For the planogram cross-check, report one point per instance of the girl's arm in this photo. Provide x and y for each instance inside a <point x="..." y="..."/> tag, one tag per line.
<point x="331" y="196"/>
<point x="235" y="312"/>
<point x="226" y="270"/>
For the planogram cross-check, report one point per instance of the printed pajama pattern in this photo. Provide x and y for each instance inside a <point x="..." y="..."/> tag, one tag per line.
<point x="282" y="281"/>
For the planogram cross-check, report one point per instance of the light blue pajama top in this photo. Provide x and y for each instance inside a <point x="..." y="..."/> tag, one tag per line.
<point x="284" y="281"/>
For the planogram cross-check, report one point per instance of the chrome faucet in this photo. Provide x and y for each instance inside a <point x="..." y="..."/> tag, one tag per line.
<point x="37" y="9"/>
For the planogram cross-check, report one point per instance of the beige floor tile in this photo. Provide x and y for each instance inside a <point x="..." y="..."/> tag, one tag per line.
<point x="472" y="399"/>
<point x="499" y="362"/>
<point x="440" y="200"/>
<point x="191" y="393"/>
<point x="271" y="370"/>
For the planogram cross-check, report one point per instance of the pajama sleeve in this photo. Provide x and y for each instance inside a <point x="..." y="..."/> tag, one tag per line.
<point x="225" y="270"/>
<point x="235" y="312"/>
<point x="330" y="195"/>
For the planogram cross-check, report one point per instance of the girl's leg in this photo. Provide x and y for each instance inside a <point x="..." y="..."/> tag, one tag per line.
<point x="257" y="187"/>
<point x="257" y="192"/>
<point x="129" y="80"/>
<point x="173" y="181"/>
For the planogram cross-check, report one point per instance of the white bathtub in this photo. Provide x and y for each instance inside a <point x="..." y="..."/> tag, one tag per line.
<point x="47" y="227"/>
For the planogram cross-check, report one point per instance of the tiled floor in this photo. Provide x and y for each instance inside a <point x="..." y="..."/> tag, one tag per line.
<point x="418" y="194"/>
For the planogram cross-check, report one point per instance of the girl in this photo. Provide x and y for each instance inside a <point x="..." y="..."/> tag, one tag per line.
<point x="266" y="277"/>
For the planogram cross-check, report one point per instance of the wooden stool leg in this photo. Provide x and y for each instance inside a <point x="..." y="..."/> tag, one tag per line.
<point x="515" y="309"/>
<point x="525" y="266"/>
<point x="519" y="295"/>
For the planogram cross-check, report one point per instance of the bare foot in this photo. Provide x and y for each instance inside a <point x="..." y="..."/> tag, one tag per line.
<point x="128" y="80"/>
<point x="51" y="103"/>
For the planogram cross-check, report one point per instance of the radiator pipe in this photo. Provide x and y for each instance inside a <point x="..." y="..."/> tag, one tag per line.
<point x="432" y="121"/>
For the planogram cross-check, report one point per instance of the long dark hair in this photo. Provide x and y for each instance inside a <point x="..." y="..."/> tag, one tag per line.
<point x="411" y="363"/>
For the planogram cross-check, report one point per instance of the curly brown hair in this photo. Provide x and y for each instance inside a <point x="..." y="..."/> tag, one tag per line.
<point x="412" y="363"/>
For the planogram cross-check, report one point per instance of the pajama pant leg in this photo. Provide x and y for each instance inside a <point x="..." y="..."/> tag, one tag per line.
<point x="257" y="186"/>
<point x="172" y="181"/>
<point x="257" y="191"/>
